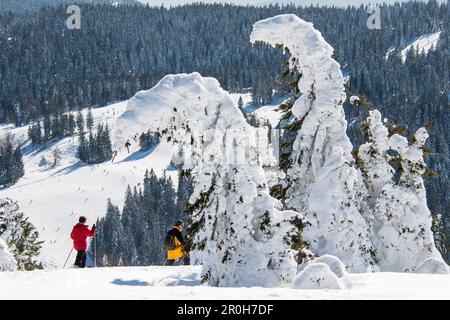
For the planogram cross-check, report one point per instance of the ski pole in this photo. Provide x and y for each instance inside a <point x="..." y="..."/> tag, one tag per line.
<point x="68" y="258"/>
<point x="95" y="250"/>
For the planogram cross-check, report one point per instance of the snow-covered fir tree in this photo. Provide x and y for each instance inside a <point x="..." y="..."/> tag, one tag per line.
<point x="11" y="163"/>
<point x="7" y="261"/>
<point x="236" y="231"/>
<point x="20" y="235"/>
<point x="97" y="148"/>
<point x="110" y="237"/>
<point x="402" y="226"/>
<point x="322" y="182"/>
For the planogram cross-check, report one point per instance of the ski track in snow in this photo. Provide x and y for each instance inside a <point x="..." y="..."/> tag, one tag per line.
<point x="177" y="283"/>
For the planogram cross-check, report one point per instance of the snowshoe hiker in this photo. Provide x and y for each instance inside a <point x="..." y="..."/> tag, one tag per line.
<point x="79" y="235"/>
<point x="176" y="246"/>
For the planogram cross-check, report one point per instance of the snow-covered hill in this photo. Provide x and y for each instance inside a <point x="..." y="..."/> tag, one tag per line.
<point x="424" y="44"/>
<point x="53" y="198"/>
<point x="178" y="283"/>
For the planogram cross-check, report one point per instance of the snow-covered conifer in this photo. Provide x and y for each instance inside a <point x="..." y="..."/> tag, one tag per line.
<point x="402" y="225"/>
<point x="20" y="235"/>
<point x="322" y="181"/>
<point x="236" y="230"/>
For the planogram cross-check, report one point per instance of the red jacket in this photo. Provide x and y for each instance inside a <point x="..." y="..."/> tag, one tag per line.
<point x="79" y="235"/>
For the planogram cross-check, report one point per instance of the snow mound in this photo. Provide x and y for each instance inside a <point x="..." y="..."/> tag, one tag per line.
<point x="317" y="276"/>
<point x="156" y="107"/>
<point x="433" y="266"/>
<point x="239" y="236"/>
<point x="7" y="262"/>
<point x="335" y="264"/>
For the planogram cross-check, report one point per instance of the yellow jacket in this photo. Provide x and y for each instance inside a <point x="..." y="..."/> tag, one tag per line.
<point x="178" y="252"/>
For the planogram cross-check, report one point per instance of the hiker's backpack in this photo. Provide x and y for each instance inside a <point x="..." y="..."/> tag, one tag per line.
<point x="169" y="241"/>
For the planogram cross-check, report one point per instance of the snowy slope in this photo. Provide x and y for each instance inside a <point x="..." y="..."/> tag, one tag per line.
<point x="54" y="198"/>
<point x="424" y="43"/>
<point x="177" y="283"/>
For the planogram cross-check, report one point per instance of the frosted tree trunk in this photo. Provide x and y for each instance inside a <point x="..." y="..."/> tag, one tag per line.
<point x="323" y="183"/>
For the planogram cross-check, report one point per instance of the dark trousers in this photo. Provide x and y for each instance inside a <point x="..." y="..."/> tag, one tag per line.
<point x="80" y="261"/>
<point x="186" y="261"/>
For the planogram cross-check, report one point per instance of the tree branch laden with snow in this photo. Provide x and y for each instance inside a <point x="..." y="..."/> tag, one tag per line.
<point x="237" y="232"/>
<point x="402" y="226"/>
<point x="322" y="182"/>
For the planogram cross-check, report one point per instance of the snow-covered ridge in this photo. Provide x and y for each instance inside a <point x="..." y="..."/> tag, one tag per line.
<point x="178" y="283"/>
<point x="422" y="44"/>
<point x="241" y="230"/>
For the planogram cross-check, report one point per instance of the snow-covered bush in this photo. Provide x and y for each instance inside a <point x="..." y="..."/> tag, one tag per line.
<point x="322" y="183"/>
<point x="433" y="266"/>
<point x="236" y="230"/>
<point x="317" y="276"/>
<point x="20" y="235"/>
<point x="354" y="100"/>
<point x="7" y="261"/>
<point x="402" y="225"/>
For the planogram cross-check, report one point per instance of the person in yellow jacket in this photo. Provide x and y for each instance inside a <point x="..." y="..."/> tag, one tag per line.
<point x="176" y="246"/>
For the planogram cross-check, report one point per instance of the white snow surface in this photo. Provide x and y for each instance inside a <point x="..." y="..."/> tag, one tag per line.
<point x="201" y="119"/>
<point x="177" y="283"/>
<point x="423" y="44"/>
<point x="317" y="276"/>
<point x="433" y="266"/>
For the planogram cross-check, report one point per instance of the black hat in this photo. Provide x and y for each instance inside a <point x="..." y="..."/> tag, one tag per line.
<point x="179" y="223"/>
<point x="82" y="219"/>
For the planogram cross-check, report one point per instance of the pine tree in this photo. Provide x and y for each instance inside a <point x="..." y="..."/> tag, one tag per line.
<point x="20" y="236"/>
<point x="80" y="122"/>
<point x="234" y="223"/>
<point x="90" y="121"/>
<point x="113" y="234"/>
<point x="71" y="125"/>
<point x="241" y="104"/>
<point x="403" y="225"/>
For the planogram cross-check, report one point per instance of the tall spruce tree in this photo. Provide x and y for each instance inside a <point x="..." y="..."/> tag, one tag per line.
<point x="11" y="162"/>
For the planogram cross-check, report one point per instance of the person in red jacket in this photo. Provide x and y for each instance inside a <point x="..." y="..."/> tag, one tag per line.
<point x="79" y="235"/>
